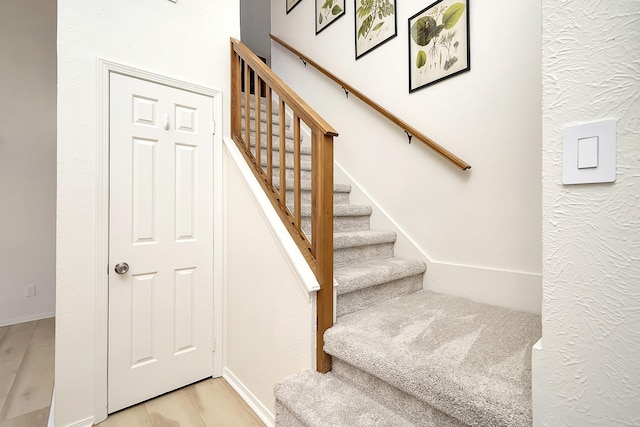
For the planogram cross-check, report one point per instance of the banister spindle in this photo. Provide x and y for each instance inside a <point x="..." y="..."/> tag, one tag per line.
<point x="270" y="135"/>
<point x="283" y="155"/>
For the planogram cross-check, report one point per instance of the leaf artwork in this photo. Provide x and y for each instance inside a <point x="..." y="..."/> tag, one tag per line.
<point x="421" y="60"/>
<point x="371" y="11"/>
<point x="438" y="42"/>
<point x="329" y="11"/>
<point x="426" y="29"/>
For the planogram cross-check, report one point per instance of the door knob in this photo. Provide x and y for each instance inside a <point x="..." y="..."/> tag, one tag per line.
<point x="121" y="268"/>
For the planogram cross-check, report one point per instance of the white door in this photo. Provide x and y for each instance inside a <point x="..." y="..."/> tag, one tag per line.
<point x="161" y="226"/>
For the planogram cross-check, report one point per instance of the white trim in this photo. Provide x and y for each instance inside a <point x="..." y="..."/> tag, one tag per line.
<point x="30" y="318"/>
<point x="254" y="403"/>
<point x="50" y="420"/>
<point x="296" y="260"/>
<point x="516" y="290"/>
<point x="87" y="422"/>
<point x="104" y="68"/>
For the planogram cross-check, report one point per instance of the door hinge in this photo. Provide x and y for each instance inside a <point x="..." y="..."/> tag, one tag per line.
<point x="213" y="345"/>
<point x="213" y="127"/>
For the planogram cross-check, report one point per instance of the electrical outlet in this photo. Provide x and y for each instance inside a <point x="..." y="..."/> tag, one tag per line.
<point x="30" y="291"/>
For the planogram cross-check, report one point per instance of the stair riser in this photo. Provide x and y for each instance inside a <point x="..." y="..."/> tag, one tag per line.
<point x="275" y="130"/>
<point x="305" y="198"/>
<point x="275" y="144"/>
<point x="418" y="412"/>
<point x="304" y="175"/>
<point x="363" y="298"/>
<point x="284" y="417"/>
<point x="304" y="158"/>
<point x="275" y="118"/>
<point x="345" y="256"/>
<point x="305" y="162"/>
<point x="341" y="223"/>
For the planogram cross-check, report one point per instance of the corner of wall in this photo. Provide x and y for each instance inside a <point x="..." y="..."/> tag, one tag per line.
<point x="511" y="289"/>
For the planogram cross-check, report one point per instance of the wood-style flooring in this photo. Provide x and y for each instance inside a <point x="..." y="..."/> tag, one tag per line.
<point x="26" y="385"/>
<point x="209" y="403"/>
<point x="26" y="373"/>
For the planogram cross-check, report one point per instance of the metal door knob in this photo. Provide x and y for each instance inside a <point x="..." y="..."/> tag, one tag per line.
<point x="121" y="268"/>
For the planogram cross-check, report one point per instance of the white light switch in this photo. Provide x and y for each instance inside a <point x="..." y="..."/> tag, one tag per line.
<point x="589" y="153"/>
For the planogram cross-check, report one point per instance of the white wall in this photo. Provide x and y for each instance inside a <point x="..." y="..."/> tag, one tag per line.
<point x="27" y="158"/>
<point x="586" y="369"/>
<point x="269" y="311"/>
<point x="255" y="21"/>
<point x="187" y="40"/>
<point x="485" y="223"/>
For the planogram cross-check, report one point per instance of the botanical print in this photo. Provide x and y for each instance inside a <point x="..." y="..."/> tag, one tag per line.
<point x="438" y="42"/>
<point x="375" y="24"/>
<point x="327" y="11"/>
<point x="291" y="4"/>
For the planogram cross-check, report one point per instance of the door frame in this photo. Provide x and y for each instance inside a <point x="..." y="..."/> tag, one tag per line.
<point x="104" y="70"/>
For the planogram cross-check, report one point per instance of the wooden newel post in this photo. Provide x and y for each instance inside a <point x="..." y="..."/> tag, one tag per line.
<point x="322" y="211"/>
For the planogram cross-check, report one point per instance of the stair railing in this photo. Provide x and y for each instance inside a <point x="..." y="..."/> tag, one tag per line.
<point x="411" y="131"/>
<point x="250" y="75"/>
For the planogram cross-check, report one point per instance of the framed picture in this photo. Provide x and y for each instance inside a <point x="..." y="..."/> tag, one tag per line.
<point x="376" y="23"/>
<point x="438" y="43"/>
<point x="291" y="4"/>
<point x="327" y="11"/>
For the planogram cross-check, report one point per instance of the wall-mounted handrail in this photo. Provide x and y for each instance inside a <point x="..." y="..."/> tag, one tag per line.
<point x="411" y="131"/>
<point x="252" y="80"/>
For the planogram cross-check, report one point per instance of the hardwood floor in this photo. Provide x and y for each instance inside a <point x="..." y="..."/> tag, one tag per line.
<point x="26" y="373"/>
<point x="26" y="384"/>
<point x="209" y="403"/>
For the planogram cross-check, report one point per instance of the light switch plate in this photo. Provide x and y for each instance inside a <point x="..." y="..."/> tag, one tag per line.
<point x="589" y="153"/>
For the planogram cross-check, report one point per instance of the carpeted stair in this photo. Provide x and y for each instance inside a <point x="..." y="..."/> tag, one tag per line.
<point x="403" y="356"/>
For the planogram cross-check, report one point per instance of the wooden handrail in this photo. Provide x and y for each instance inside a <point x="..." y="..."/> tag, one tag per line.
<point x="319" y="250"/>
<point x="410" y="130"/>
<point x="292" y="99"/>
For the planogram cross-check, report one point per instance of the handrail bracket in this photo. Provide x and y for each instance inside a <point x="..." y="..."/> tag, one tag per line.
<point x="409" y="130"/>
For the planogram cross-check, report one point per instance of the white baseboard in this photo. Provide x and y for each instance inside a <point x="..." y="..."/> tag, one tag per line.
<point x="254" y="403"/>
<point x="87" y="422"/>
<point x="510" y="289"/>
<point x="29" y="318"/>
<point x="50" y="421"/>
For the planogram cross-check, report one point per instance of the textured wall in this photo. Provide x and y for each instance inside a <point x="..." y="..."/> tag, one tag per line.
<point x="587" y="372"/>
<point x="27" y="158"/>
<point x="187" y="40"/>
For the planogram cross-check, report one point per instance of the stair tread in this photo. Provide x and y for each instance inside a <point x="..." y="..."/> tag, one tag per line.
<point x="342" y="210"/>
<point x="348" y="239"/>
<point x="304" y="165"/>
<point x="375" y="272"/>
<point x="275" y="143"/>
<point x="323" y="400"/>
<point x="305" y="185"/>
<point x="469" y="360"/>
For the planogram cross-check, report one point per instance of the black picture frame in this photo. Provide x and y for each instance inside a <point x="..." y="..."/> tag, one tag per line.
<point x="290" y="4"/>
<point x="439" y="43"/>
<point x="328" y="12"/>
<point x="374" y="25"/>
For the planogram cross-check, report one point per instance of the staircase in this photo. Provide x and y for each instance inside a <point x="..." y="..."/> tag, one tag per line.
<point x="402" y="355"/>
